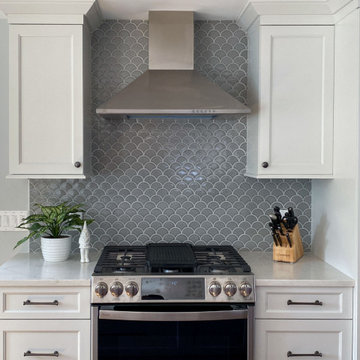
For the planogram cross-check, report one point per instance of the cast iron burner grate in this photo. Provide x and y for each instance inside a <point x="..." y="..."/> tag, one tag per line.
<point x="121" y="259"/>
<point x="171" y="258"/>
<point x="219" y="258"/>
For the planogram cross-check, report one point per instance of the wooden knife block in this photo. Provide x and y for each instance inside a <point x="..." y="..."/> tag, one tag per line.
<point x="286" y="253"/>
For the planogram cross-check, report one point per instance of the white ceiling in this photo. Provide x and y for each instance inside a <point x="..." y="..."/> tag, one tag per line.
<point x="204" y="9"/>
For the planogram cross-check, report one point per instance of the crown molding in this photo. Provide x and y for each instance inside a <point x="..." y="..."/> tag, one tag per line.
<point x="64" y="11"/>
<point x="94" y="16"/>
<point x="346" y="10"/>
<point x="323" y="12"/>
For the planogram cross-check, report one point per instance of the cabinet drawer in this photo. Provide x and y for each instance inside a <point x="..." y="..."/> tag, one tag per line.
<point x="45" y="303"/>
<point x="300" y="303"/>
<point x="71" y="339"/>
<point x="275" y="338"/>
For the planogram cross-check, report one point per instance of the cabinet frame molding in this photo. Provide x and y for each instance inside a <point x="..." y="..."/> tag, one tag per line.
<point x="20" y="118"/>
<point x="269" y="131"/>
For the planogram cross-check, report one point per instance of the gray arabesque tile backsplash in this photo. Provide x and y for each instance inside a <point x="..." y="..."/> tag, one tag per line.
<point x="179" y="179"/>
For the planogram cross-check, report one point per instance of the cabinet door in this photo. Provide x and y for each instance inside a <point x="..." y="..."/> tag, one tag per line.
<point x="296" y="101"/>
<point x="46" y="104"/>
<point x="274" y="339"/>
<point x="65" y="339"/>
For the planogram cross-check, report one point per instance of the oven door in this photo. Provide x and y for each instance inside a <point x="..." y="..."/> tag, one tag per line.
<point x="175" y="332"/>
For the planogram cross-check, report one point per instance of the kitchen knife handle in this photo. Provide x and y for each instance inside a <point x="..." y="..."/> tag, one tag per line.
<point x="315" y="354"/>
<point x="275" y="239"/>
<point x="316" y="302"/>
<point x="288" y="239"/>
<point x="291" y="212"/>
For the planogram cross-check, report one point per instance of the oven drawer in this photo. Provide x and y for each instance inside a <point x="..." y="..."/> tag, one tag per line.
<point x="303" y="303"/>
<point x="172" y="332"/>
<point x="45" y="303"/>
<point x="314" y="339"/>
<point x="64" y="339"/>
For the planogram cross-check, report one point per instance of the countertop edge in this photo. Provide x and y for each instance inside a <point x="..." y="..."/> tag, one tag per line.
<point x="45" y="283"/>
<point x="303" y="283"/>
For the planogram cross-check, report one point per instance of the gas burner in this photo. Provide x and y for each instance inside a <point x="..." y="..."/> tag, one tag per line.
<point x="170" y="271"/>
<point x="124" y="258"/>
<point x="124" y="270"/>
<point x="121" y="259"/>
<point x="217" y="257"/>
<point x="217" y="270"/>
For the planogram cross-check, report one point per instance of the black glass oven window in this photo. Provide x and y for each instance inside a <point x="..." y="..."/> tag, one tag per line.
<point x="210" y="340"/>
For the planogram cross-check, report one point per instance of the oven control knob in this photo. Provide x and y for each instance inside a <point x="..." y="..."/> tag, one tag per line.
<point x="131" y="288"/>
<point x="230" y="288"/>
<point x="101" y="289"/>
<point x="116" y="288"/>
<point x="214" y="288"/>
<point x="245" y="289"/>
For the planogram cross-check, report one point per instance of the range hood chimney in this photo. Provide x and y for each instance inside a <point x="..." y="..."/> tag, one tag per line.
<point x="171" y="87"/>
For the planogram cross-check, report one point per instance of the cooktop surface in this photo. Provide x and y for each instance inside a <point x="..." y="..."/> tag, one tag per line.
<point x="173" y="258"/>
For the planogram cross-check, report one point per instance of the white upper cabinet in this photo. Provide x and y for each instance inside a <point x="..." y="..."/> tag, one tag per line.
<point x="47" y="101"/>
<point x="291" y="89"/>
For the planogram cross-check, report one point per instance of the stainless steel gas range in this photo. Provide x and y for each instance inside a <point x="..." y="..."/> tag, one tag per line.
<point x="172" y="301"/>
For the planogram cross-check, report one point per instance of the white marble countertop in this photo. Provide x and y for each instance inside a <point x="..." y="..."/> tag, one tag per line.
<point x="34" y="271"/>
<point x="307" y="271"/>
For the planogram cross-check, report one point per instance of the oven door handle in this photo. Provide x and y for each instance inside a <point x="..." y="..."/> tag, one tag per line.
<point x="173" y="316"/>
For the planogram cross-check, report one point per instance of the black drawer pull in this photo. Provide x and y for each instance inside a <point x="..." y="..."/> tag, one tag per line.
<point x="315" y="354"/>
<point x="316" y="302"/>
<point x="29" y="353"/>
<point x="29" y="302"/>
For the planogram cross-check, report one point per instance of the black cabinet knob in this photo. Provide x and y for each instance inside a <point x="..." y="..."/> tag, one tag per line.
<point x="265" y="164"/>
<point x="77" y="164"/>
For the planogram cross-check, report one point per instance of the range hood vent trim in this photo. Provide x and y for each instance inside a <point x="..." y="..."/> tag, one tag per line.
<point x="174" y="90"/>
<point x="171" y="92"/>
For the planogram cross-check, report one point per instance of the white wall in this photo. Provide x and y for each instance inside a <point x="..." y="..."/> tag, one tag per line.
<point x="14" y="194"/>
<point x="335" y="203"/>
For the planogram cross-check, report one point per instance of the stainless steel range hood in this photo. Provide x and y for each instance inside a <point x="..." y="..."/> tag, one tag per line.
<point x="171" y="86"/>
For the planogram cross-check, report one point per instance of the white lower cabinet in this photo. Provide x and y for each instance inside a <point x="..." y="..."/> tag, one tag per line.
<point x="67" y="339"/>
<point x="284" y="339"/>
<point x="45" y="322"/>
<point x="303" y="322"/>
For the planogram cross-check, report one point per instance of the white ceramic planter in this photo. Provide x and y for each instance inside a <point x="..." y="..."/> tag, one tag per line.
<point x="54" y="250"/>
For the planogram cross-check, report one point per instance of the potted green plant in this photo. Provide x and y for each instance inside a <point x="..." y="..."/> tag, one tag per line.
<point x="51" y="224"/>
